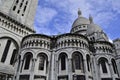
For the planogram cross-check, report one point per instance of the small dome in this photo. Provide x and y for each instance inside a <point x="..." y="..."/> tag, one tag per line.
<point x="93" y="28"/>
<point x="80" y="20"/>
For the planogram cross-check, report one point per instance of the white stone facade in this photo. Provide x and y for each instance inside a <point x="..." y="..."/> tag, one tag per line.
<point x="83" y="54"/>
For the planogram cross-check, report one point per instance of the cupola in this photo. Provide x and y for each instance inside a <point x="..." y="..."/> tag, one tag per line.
<point x="80" y="24"/>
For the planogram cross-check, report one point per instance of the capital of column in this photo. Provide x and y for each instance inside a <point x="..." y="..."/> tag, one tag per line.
<point x="34" y="59"/>
<point x="84" y="59"/>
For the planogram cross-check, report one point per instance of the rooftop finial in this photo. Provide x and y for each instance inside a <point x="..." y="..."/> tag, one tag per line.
<point x="90" y="18"/>
<point x="79" y="12"/>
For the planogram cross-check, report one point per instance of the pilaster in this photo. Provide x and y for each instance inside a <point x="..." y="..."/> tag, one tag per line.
<point x="85" y="69"/>
<point x="32" y="69"/>
<point x="70" y="69"/>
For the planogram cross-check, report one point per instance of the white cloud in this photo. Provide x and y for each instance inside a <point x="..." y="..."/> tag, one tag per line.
<point x="102" y="11"/>
<point x="45" y="15"/>
<point x="42" y="19"/>
<point x="104" y="18"/>
<point x="116" y="5"/>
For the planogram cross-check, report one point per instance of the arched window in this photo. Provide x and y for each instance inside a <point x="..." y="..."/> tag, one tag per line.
<point x="63" y="61"/>
<point x="5" y="53"/>
<point x="13" y="56"/>
<point x="103" y="63"/>
<point x="114" y="66"/>
<point x="14" y="8"/>
<point x="88" y="62"/>
<point x="28" y="58"/>
<point x="78" y="61"/>
<point x="41" y="62"/>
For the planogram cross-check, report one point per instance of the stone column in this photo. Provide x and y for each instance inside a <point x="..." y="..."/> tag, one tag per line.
<point x="32" y="69"/>
<point x="52" y="67"/>
<point x="6" y="77"/>
<point x="70" y="69"/>
<point x="56" y="70"/>
<point x="96" y="73"/>
<point x="85" y="69"/>
<point x="19" y="69"/>
<point x="111" y="71"/>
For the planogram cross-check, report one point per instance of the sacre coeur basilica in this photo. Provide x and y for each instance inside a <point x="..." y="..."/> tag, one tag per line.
<point x="85" y="53"/>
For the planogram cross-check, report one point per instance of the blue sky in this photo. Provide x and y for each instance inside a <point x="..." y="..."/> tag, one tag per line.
<point x="57" y="16"/>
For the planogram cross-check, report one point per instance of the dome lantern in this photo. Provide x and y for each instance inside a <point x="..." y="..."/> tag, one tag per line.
<point x="79" y="12"/>
<point x="91" y="19"/>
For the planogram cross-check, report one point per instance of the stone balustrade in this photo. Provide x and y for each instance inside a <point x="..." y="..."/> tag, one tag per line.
<point x="71" y="40"/>
<point x="56" y="42"/>
<point x="36" y="41"/>
<point x="103" y="47"/>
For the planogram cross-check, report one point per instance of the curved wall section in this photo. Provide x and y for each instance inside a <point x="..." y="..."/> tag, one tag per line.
<point x="71" y="40"/>
<point x="36" y="41"/>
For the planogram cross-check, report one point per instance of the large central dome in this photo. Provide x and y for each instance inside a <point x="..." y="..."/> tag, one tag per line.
<point x="80" y="24"/>
<point x="80" y="20"/>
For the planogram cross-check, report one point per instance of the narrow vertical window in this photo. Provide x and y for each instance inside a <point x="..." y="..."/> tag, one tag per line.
<point x="27" y="61"/>
<point x="41" y="62"/>
<point x="18" y="11"/>
<point x="13" y="56"/>
<point x="78" y="61"/>
<point x="114" y="66"/>
<point x="17" y="1"/>
<point x="5" y="53"/>
<point x="24" y="8"/>
<point x="21" y="5"/>
<point x="104" y="67"/>
<point x="26" y="2"/>
<point x="63" y="62"/>
<point x="88" y="62"/>
<point x="14" y="8"/>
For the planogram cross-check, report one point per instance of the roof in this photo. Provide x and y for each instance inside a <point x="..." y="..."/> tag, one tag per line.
<point x="93" y="28"/>
<point x="80" y="20"/>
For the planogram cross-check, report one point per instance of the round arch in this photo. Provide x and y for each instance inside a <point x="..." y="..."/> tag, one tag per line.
<point x="46" y="52"/>
<point x="23" y="53"/>
<point x="12" y="37"/>
<point x="26" y="54"/>
<point x="77" y="52"/>
<point x="13" y="40"/>
<point x="62" y="53"/>
<point x="114" y="65"/>
<point x="102" y="58"/>
<point x="68" y="53"/>
<point x="78" y="61"/>
<point x="80" y="52"/>
<point x="43" y="54"/>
